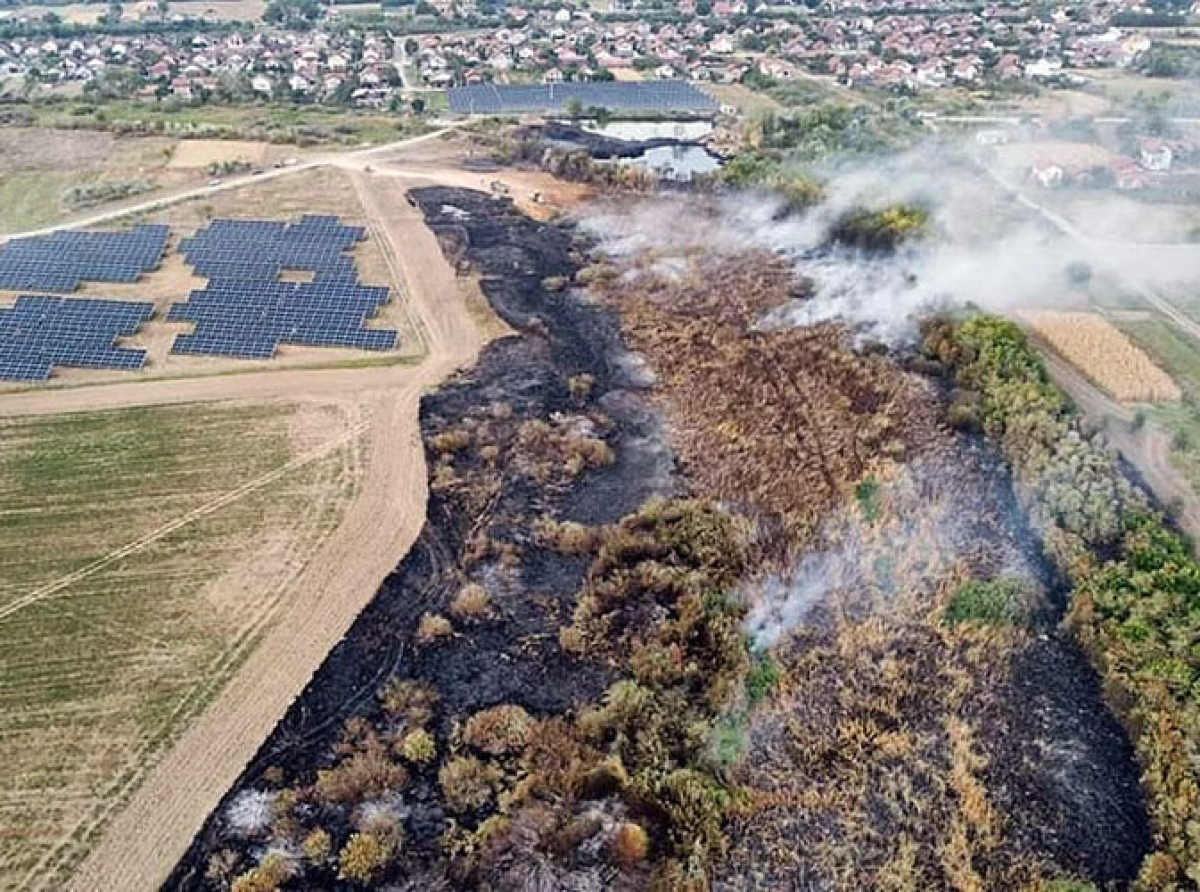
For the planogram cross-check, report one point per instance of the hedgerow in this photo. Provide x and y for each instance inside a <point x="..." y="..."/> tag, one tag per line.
<point x="1135" y="603"/>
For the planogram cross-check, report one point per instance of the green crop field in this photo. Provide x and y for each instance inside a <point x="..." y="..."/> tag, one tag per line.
<point x="105" y="652"/>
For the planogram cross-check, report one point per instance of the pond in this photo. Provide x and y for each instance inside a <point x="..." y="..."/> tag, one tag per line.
<point x="678" y="164"/>
<point x="637" y="131"/>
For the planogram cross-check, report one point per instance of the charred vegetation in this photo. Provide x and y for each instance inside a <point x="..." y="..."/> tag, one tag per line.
<point x="930" y="726"/>
<point x="737" y="610"/>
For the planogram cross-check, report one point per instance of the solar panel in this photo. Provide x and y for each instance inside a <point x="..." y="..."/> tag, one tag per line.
<point x="246" y="310"/>
<point x="61" y="261"/>
<point x="643" y="96"/>
<point x="38" y="333"/>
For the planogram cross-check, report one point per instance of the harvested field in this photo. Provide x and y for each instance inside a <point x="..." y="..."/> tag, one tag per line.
<point x="1104" y="355"/>
<point x="143" y="552"/>
<point x="190" y="153"/>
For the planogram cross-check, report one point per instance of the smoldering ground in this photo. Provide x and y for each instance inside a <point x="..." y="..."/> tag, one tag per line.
<point x="985" y="246"/>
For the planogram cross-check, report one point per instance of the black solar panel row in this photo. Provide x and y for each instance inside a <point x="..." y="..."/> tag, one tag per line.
<point x="38" y="333"/>
<point x="60" y="262"/>
<point x="647" y="96"/>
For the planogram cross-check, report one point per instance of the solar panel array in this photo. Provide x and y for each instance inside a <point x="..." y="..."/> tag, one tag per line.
<point x="245" y="310"/>
<point x="38" y="333"/>
<point x="262" y="249"/>
<point x="60" y="262"/>
<point x="643" y="96"/>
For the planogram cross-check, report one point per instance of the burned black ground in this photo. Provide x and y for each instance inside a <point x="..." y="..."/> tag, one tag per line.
<point x="514" y="657"/>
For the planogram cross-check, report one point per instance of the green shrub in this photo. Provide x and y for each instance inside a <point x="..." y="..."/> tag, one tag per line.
<point x="1003" y="601"/>
<point x="867" y="495"/>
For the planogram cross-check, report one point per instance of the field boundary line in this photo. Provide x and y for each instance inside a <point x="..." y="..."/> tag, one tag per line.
<point x="52" y="588"/>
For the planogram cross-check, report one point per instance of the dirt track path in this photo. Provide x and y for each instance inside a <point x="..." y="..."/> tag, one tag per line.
<point x="143" y="842"/>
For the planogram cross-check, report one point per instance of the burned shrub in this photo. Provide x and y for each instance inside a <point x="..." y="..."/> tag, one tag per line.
<point x="470" y="602"/>
<point x="499" y="731"/>
<point x="630" y="844"/>
<point x="467" y="783"/>
<point x="432" y="627"/>
<point x="364" y="775"/>
<point x="364" y="857"/>
<point x="417" y="747"/>
<point x="411" y="703"/>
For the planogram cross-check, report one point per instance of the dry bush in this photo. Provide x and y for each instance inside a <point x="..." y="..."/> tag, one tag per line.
<point x="272" y="873"/>
<point x="555" y="452"/>
<point x="471" y="602"/>
<point x="499" y="731"/>
<point x="365" y="775"/>
<point x="364" y="857"/>
<point x="630" y="844"/>
<point x="409" y="702"/>
<point x="467" y="783"/>
<point x="450" y="442"/>
<point x="418" y="747"/>
<point x="581" y="385"/>
<point x="432" y="627"/>
<point x="567" y="536"/>
<point x="588" y="452"/>
<point x="317" y="845"/>
<point x="221" y="867"/>
<point x="572" y="640"/>
<point x="1104" y="354"/>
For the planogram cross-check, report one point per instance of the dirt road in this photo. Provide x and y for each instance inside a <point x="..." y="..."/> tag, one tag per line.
<point x="127" y="209"/>
<point x="143" y="842"/>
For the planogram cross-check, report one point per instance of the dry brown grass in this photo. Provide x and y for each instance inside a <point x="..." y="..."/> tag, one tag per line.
<point x="192" y="153"/>
<point x="1104" y="354"/>
<point x="471" y="602"/>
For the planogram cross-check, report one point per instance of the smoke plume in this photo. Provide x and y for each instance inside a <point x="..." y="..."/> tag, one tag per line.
<point x="987" y="246"/>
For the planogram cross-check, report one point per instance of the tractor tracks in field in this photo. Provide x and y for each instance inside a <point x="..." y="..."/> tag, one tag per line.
<point x="51" y="589"/>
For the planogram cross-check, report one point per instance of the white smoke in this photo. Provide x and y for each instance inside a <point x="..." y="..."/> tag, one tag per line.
<point x="783" y="602"/>
<point x="249" y="813"/>
<point x="942" y="515"/>
<point x="986" y="247"/>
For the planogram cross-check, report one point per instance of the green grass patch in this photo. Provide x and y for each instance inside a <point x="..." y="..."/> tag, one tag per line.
<point x="1176" y="352"/>
<point x="866" y="493"/>
<point x="1002" y="601"/>
<point x="29" y="199"/>
<point x="275" y="123"/>
<point x="762" y="679"/>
